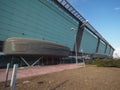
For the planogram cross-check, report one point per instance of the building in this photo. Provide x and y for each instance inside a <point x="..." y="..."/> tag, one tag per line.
<point x="51" y="20"/>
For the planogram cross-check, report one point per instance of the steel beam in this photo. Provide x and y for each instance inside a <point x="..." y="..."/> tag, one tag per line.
<point x="98" y="43"/>
<point x="79" y="37"/>
<point x="91" y="28"/>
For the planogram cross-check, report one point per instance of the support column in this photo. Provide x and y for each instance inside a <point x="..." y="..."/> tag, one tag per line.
<point x="79" y="36"/>
<point x="110" y="50"/>
<point x="98" y="43"/>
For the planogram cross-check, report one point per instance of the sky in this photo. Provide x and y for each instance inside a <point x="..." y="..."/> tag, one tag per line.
<point x="104" y="16"/>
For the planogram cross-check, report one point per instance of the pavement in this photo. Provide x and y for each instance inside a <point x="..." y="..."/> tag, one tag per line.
<point x="23" y="72"/>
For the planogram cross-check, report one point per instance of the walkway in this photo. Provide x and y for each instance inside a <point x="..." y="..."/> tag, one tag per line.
<point x="38" y="70"/>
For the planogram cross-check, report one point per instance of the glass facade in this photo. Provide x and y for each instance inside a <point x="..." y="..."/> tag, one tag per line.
<point x="89" y="42"/>
<point x="39" y="19"/>
<point x="101" y="48"/>
<point x="43" y="19"/>
<point x="108" y="50"/>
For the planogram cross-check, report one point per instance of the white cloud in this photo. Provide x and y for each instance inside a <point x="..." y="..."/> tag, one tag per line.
<point x="116" y="53"/>
<point x="117" y="8"/>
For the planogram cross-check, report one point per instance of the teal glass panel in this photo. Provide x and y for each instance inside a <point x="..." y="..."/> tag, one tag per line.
<point x="108" y="50"/>
<point x="89" y="42"/>
<point x="111" y="52"/>
<point x="101" y="49"/>
<point x="39" y="19"/>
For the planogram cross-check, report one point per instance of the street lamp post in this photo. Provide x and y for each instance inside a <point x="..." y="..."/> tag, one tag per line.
<point x="83" y="59"/>
<point x="76" y="52"/>
<point x="72" y="29"/>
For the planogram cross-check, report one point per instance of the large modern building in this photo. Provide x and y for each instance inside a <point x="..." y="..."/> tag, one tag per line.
<point x="55" y="21"/>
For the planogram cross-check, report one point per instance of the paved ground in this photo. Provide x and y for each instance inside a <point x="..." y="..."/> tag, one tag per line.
<point x="37" y="70"/>
<point x="88" y="78"/>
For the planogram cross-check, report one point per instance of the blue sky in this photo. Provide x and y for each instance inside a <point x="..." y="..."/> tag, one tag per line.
<point x="103" y="15"/>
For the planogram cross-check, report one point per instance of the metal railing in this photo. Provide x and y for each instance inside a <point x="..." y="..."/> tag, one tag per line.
<point x="79" y="17"/>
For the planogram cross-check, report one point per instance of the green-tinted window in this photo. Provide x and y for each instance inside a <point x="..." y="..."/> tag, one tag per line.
<point x="101" y="49"/>
<point x="89" y="42"/>
<point x="39" y="19"/>
<point x="108" y="50"/>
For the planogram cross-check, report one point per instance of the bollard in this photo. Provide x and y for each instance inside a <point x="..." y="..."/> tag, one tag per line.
<point x="7" y="73"/>
<point x="14" y="74"/>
